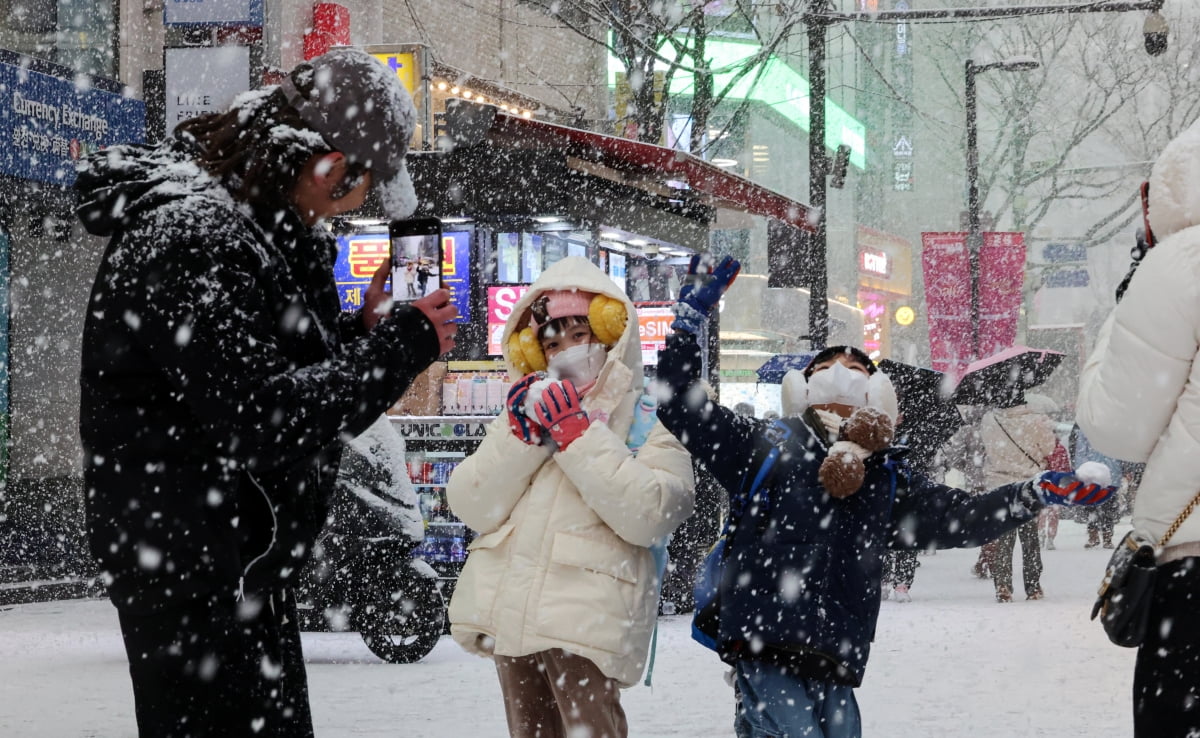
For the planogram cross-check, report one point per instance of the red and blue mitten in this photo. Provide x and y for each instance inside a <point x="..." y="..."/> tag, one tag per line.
<point x="518" y="422"/>
<point x="561" y="412"/>
<point x="1066" y="488"/>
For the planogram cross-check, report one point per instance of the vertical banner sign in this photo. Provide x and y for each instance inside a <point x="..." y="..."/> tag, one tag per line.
<point x="500" y="302"/>
<point x="902" y="128"/>
<point x="947" y="270"/>
<point x="48" y="124"/>
<point x="357" y="259"/>
<point x="203" y="79"/>
<point x="1001" y="276"/>
<point x="456" y="271"/>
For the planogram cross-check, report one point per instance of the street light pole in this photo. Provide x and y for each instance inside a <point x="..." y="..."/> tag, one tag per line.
<point x="818" y="168"/>
<point x="974" y="232"/>
<point x="974" y="236"/>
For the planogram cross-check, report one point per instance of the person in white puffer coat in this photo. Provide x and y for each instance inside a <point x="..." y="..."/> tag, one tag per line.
<point x="560" y="588"/>
<point x="1139" y="401"/>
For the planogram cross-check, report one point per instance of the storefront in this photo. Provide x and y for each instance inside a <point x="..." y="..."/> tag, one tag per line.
<point x="48" y="120"/>
<point x="517" y="194"/>
<point x="885" y="285"/>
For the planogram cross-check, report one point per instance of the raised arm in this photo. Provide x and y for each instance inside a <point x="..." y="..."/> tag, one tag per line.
<point x="716" y="436"/>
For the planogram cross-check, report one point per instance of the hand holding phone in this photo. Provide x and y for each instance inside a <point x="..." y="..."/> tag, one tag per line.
<point x="441" y="312"/>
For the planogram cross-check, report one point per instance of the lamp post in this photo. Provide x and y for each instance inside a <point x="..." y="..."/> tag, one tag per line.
<point x="974" y="234"/>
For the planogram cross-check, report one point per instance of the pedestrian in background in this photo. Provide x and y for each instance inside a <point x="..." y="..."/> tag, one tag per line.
<point x="219" y="379"/>
<point x="1102" y="519"/>
<point x="1018" y="443"/>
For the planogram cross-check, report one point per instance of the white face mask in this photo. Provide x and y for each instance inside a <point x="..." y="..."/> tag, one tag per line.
<point x="839" y="384"/>
<point x="581" y="364"/>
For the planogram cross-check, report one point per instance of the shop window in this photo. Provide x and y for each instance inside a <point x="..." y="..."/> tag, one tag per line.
<point x="616" y="269"/>
<point x="508" y="258"/>
<point x="531" y="256"/>
<point x="79" y="34"/>
<point x="555" y="249"/>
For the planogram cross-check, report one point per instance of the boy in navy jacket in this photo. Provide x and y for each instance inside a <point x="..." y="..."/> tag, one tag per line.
<point x="816" y="500"/>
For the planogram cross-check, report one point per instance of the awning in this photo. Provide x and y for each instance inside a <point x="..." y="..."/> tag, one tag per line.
<point x="668" y="173"/>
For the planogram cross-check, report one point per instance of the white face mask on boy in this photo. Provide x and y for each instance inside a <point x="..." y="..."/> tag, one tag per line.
<point x="581" y="364"/>
<point x="837" y="384"/>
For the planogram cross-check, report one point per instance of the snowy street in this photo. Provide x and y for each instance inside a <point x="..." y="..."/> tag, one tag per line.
<point x="951" y="663"/>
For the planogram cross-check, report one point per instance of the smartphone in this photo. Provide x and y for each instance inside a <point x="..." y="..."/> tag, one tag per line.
<point x="416" y="246"/>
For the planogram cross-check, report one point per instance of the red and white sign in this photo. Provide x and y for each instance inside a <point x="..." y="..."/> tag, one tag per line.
<point x="500" y="302"/>
<point x="654" y="325"/>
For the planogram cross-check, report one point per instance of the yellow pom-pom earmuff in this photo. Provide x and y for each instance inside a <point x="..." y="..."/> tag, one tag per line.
<point x="608" y="319"/>
<point x="525" y="352"/>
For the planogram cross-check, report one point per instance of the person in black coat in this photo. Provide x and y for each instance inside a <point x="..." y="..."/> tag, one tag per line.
<point x="816" y="500"/>
<point x="219" y="379"/>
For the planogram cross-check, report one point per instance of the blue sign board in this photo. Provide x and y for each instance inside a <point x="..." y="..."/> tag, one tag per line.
<point x="358" y="257"/>
<point x="456" y="271"/>
<point x="1061" y="253"/>
<point x="1067" y="278"/>
<point x="48" y="123"/>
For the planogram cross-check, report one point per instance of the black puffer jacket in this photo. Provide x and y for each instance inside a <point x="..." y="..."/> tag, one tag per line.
<point x="218" y="375"/>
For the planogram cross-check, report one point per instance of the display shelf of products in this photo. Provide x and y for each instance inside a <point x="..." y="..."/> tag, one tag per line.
<point x="446" y="537"/>
<point x="474" y="392"/>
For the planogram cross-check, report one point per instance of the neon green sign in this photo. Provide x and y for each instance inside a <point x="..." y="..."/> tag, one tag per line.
<point x="777" y="86"/>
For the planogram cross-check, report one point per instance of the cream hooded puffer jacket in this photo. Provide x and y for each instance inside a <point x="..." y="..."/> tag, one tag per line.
<point x="561" y="560"/>
<point x="1139" y="396"/>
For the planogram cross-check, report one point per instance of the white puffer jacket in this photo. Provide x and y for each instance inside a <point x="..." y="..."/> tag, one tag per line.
<point x="1139" y="396"/>
<point x="562" y="559"/>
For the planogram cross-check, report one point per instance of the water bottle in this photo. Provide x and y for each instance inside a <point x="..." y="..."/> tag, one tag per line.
<point x="644" y="416"/>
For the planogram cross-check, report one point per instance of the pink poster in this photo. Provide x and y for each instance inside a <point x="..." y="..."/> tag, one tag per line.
<point x="947" y="272"/>
<point x="1002" y="271"/>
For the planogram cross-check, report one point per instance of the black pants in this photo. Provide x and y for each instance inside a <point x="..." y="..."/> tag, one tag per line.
<point x="1166" y="679"/>
<point x="219" y="668"/>
<point x="1031" y="558"/>
<point x="899" y="568"/>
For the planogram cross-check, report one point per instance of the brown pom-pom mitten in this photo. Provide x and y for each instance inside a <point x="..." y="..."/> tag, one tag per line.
<point x="843" y="471"/>
<point x="870" y="428"/>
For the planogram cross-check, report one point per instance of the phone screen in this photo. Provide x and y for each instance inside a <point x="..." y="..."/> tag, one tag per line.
<point x="416" y="257"/>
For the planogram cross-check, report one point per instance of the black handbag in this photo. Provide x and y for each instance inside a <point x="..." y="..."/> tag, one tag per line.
<point x="1123" y="603"/>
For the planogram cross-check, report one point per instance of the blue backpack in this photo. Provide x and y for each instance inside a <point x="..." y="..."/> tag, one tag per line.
<point x="707" y="590"/>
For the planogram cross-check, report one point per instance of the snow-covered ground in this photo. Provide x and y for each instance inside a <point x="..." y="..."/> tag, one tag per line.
<point x="951" y="663"/>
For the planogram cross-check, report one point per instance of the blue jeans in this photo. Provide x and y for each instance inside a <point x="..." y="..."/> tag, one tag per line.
<point x="775" y="704"/>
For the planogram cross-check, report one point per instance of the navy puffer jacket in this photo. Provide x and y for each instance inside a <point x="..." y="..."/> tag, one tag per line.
<point x="801" y="580"/>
